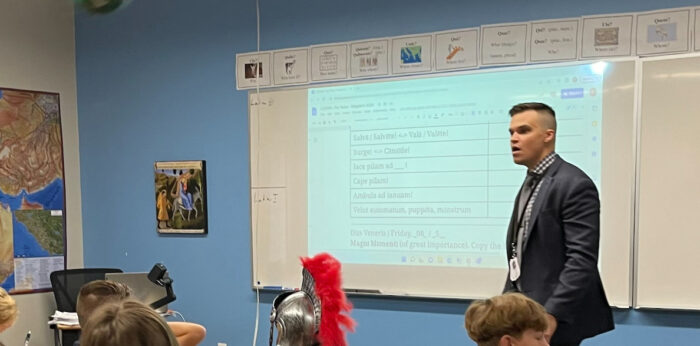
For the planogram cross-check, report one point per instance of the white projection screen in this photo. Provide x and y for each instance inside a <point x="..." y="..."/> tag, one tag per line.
<point x="410" y="182"/>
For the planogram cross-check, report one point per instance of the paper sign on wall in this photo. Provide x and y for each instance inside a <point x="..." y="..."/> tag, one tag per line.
<point x="411" y="54"/>
<point x="291" y="66"/>
<point x="697" y="30"/>
<point x="663" y="32"/>
<point x="504" y="44"/>
<point x="607" y="36"/>
<point x="554" y="40"/>
<point x="369" y="58"/>
<point x="329" y="62"/>
<point x="252" y="70"/>
<point x="456" y="49"/>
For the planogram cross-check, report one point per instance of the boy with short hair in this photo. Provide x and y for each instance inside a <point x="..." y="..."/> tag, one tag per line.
<point x="99" y="292"/>
<point x="511" y="319"/>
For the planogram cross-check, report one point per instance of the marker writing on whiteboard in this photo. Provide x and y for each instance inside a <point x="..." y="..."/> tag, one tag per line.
<point x="264" y="196"/>
<point x="254" y="102"/>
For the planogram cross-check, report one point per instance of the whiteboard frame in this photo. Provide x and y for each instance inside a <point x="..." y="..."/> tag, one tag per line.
<point x="636" y="270"/>
<point x="631" y="277"/>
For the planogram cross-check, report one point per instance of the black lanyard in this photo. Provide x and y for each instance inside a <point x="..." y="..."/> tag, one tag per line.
<point x="514" y="241"/>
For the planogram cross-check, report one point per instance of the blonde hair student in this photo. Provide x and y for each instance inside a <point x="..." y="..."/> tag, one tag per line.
<point x="511" y="319"/>
<point x="8" y="310"/>
<point x="126" y="322"/>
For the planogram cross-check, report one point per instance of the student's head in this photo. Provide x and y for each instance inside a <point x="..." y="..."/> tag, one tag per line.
<point x="532" y="132"/>
<point x="96" y="293"/>
<point x="511" y="319"/>
<point x="127" y="322"/>
<point x="8" y="310"/>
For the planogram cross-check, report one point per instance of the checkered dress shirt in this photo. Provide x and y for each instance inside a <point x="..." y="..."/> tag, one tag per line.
<point x="539" y="171"/>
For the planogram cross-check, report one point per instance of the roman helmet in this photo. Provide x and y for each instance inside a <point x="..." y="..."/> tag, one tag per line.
<point x="313" y="315"/>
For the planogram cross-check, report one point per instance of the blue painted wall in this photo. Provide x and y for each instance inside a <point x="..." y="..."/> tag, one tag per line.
<point x="156" y="82"/>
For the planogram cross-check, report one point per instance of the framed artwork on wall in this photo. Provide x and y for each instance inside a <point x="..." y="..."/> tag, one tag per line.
<point x="180" y="195"/>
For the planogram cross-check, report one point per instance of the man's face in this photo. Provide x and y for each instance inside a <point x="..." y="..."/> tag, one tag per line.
<point x="530" y="141"/>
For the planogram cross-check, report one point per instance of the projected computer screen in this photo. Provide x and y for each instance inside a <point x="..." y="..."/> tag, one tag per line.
<point x="420" y="172"/>
<point x="411" y="184"/>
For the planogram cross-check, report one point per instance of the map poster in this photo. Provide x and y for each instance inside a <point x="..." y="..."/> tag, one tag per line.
<point x="32" y="223"/>
<point x="180" y="195"/>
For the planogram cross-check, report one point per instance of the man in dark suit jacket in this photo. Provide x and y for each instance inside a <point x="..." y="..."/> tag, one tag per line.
<point x="554" y="232"/>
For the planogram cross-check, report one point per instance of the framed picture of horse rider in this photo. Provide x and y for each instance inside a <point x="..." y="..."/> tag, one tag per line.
<point x="181" y="197"/>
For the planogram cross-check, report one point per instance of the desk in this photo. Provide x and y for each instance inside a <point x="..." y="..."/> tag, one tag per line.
<point x="65" y="335"/>
<point x="67" y="327"/>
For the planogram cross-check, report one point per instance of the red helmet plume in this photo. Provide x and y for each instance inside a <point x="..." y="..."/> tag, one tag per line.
<point x="335" y="307"/>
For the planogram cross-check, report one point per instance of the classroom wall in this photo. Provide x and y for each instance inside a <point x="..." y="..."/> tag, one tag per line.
<point x="37" y="52"/>
<point x="156" y="82"/>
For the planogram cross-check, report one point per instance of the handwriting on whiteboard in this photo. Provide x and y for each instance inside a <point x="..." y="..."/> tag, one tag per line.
<point x="254" y="101"/>
<point x="263" y="196"/>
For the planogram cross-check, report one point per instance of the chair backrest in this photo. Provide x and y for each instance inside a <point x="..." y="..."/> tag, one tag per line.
<point x="66" y="284"/>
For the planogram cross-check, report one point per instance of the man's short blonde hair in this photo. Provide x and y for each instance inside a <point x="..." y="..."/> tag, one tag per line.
<point x="126" y="322"/>
<point x="511" y="314"/>
<point x="8" y="308"/>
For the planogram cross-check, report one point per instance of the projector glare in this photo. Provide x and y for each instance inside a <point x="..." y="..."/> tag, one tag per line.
<point x="599" y="67"/>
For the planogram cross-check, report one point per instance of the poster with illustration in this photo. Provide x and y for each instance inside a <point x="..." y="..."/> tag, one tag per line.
<point x="180" y="195"/>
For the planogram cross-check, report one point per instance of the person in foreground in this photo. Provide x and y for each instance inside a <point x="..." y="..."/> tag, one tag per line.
<point x="126" y="322"/>
<point x="554" y="232"/>
<point x="511" y="319"/>
<point x="99" y="292"/>
<point x="8" y="310"/>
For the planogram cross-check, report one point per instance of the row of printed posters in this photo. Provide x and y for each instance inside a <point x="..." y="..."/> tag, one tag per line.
<point x="649" y="33"/>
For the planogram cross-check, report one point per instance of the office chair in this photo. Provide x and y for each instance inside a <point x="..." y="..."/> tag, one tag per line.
<point x="66" y="285"/>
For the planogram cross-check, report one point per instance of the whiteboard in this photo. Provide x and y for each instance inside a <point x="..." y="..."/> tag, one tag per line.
<point x="278" y="142"/>
<point x="669" y="189"/>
